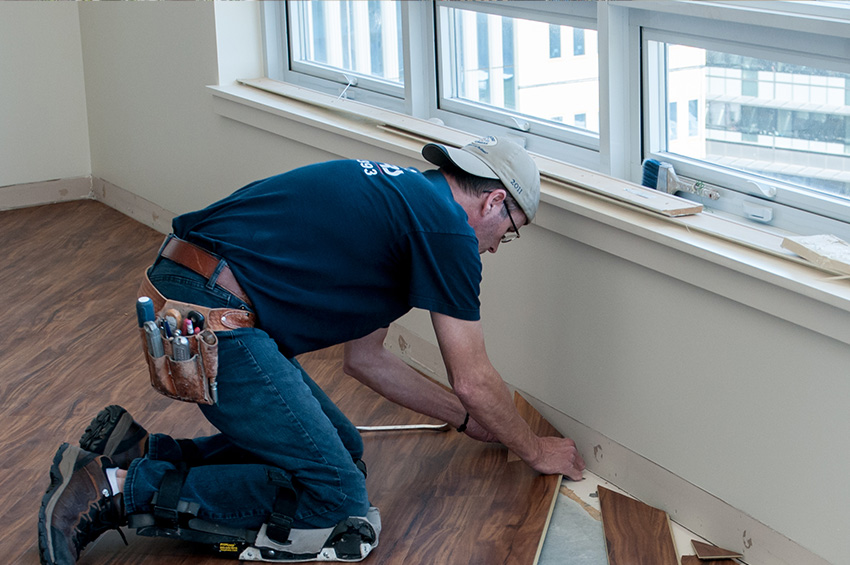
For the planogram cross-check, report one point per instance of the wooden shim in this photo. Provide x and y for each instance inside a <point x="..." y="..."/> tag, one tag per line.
<point x="635" y="533"/>
<point x="708" y="551"/>
<point x="535" y="421"/>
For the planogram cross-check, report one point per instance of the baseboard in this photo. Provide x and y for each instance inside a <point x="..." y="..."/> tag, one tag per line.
<point x="63" y="190"/>
<point x="45" y="192"/>
<point x="141" y="210"/>
<point x="686" y="504"/>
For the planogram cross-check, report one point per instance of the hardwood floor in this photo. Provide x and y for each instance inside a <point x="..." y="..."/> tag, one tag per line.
<point x="635" y="533"/>
<point x="69" y="274"/>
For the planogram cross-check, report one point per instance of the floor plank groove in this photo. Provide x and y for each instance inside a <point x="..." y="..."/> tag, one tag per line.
<point x="69" y="347"/>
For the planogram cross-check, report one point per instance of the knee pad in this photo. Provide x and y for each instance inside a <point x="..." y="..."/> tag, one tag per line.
<point x="276" y="541"/>
<point x="349" y="541"/>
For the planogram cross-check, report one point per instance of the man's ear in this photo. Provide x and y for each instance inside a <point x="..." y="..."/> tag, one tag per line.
<point x="494" y="200"/>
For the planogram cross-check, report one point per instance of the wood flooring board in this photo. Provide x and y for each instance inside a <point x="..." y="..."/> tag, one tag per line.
<point x="708" y="551"/>
<point x="635" y="533"/>
<point x="71" y="270"/>
<point x="695" y="560"/>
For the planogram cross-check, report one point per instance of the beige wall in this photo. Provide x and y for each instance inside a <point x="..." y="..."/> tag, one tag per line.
<point x="43" y="131"/>
<point x="745" y="405"/>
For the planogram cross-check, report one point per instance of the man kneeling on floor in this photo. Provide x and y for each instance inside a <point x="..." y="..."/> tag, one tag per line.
<point x="325" y="254"/>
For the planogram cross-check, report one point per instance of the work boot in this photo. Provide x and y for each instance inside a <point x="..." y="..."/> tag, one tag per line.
<point x="114" y="433"/>
<point x="78" y="505"/>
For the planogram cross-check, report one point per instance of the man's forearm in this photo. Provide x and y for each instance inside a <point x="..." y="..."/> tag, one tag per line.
<point x="489" y="401"/>
<point x="390" y="377"/>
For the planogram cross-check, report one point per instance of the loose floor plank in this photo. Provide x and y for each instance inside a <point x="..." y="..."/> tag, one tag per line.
<point x="635" y="533"/>
<point x="708" y="551"/>
<point x="70" y="346"/>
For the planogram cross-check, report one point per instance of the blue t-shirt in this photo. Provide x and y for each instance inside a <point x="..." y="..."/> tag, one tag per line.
<point x="334" y="251"/>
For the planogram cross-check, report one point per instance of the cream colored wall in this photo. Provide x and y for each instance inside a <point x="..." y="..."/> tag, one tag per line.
<point x="152" y="127"/>
<point x="741" y="404"/>
<point x="43" y="130"/>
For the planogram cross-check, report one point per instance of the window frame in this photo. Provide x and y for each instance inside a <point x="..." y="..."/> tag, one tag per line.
<point x="278" y="52"/>
<point x="419" y="96"/>
<point x="540" y="136"/>
<point x="791" y="209"/>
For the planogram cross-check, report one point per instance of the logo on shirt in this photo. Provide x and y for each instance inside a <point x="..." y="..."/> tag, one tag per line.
<point x="371" y="168"/>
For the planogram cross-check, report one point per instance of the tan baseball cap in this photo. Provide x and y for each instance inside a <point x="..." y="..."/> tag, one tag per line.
<point x="494" y="158"/>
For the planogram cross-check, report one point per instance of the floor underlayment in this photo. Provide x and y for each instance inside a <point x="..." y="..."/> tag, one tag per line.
<point x="575" y="535"/>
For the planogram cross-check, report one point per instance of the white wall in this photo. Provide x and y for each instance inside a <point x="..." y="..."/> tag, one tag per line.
<point x="741" y="404"/>
<point x="43" y="130"/>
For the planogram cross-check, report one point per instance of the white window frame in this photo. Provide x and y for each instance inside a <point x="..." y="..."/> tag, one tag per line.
<point x="353" y="86"/>
<point x="797" y="33"/>
<point x="419" y="96"/>
<point x="541" y="136"/>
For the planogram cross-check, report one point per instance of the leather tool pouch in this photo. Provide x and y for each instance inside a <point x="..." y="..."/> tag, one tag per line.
<point x="191" y="379"/>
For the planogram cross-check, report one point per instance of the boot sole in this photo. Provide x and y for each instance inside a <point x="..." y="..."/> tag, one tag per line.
<point x="61" y="471"/>
<point x="105" y="432"/>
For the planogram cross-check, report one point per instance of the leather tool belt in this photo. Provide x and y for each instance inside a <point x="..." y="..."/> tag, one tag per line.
<point x="183" y="359"/>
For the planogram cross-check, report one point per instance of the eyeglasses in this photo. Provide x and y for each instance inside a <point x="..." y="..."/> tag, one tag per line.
<point x="510" y="236"/>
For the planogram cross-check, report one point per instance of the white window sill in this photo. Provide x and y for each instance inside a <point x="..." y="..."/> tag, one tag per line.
<point x="741" y="262"/>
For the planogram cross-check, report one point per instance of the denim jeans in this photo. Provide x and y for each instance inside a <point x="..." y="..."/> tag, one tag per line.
<point x="270" y="415"/>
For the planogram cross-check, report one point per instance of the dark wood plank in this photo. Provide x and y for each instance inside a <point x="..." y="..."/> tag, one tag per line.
<point x="69" y="276"/>
<point x="635" y="533"/>
<point x="707" y="551"/>
<point x="694" y="560"/>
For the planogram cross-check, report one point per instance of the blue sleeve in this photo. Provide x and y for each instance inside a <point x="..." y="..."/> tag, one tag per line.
<point x="445" y="274"/>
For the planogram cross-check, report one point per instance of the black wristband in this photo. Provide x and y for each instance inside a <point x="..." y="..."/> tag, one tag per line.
<point x="462" y="428"/>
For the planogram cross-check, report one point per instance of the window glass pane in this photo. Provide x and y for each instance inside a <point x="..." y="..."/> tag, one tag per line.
<point x="350" y="35"/>
<point x="554" y="41"/>
<point x="672" y="121"/>
<point x="521" y="66"/>
<point x="782" y="121"/>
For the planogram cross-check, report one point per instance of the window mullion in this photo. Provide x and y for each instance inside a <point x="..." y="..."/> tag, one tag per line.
<point x="619" y="137"/>
<point x="420" y="65"/>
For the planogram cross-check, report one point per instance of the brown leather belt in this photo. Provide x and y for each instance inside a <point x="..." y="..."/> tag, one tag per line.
<point x="204" y="263"/>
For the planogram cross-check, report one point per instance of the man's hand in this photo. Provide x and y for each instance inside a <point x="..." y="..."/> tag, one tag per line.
<point x="559" y="456"/>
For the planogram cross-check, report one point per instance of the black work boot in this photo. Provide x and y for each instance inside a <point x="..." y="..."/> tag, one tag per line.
<point x="78" y="505"/>
<point x="114" y="433"/>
